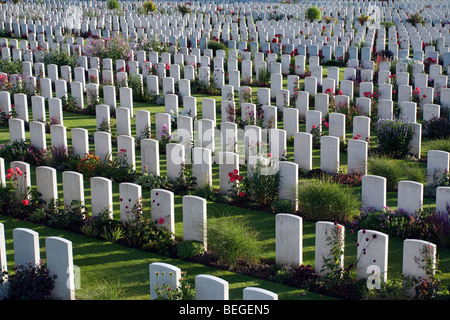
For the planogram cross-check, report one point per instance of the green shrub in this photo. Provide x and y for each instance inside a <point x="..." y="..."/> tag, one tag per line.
<point x="113" y="4"/>
<point x="282" y="206"/>
<point x="150" y="181"/>
<point x="184" y="9"/>
<point x="327" y="200"/>
<point x="394" y="171"/>
<point x="217" y="45"/>
<point x="262" y="187"/>
<point x="69" y="217"/>
<point x="437" y="128"/>
<point x="313" y="13"/>
<point x="11" y="66"/>
<point x="230" y="239"/>
<point x="60" y="58"/>
<point x="29" y="282"/>
<point x="149" y="6"/>
<point x="415" y="19"/>
<point x="189" y="248"/>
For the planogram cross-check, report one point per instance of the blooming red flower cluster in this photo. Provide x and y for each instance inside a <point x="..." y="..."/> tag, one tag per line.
<point x="234" y="176"/>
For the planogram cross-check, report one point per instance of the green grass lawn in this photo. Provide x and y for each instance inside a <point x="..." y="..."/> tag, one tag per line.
<point x="126" y="269"/>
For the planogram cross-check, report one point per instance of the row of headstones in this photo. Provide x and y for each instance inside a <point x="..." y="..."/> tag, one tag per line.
<point x="124" y="24"/>
<point x="372" y="248"/>
<point x="264" y="95"/>
<point x="162" y="201"/>
<point x="59" y="259"/>
<point x="310" y="84"/>
<point x="282" y="96"/>
<point x="207" y="287"/>
<point x="410" y="193"/>
<point x="372" y="262"/>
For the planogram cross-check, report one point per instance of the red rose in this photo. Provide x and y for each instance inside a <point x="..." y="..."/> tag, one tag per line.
<point x="25" y="202"/>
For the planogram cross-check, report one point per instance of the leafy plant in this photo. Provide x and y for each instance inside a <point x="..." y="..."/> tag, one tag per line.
<point x="31" y="282"/>
<point x="415" y="19"/>
<point x="282" y="206"/>
<point x="185" y="181"/>
<point x="436" y="128"/>
<point x="70" y="217"/>
<point x="313" y="13"/>
<point x="60" y="58"/>
<point x="150" y="181"/>
<point x="262" y="185"/>
<point x="189" y="248"/>
<point x="112" y="234"/>
<point x="217" y="45"/>
<point x="11" y="66"/>
<point x="184" y="9"/>
<point x="113" y="4"/>
<point x="149" y="6"/>
<point x="21" y="151"/>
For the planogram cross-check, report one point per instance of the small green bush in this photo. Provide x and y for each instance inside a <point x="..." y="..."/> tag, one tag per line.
<point x="415" y="19"/>
<point x="230" y="239"/>
<point x="113" y="4"/>
<point x="184" y="9"/>
<point x="60" y="58"/>
<point x="149" y="6"/>
<point x="189" y="248"/>
<point x="262" y="187"/>
<point x="282" y="206"/>
<point x="327" y="200"/>
<point x="313" y="13"/>
<point x="217" y="45"/>
<point x="394" y="171"/>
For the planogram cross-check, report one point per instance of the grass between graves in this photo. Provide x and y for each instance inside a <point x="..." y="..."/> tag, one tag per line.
<point x="124" y="271"/>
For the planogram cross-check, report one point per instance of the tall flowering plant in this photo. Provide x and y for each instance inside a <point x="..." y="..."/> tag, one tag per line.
<point x="165" y="136"/>
<point x="237" y="191"/>
<point x="394" y="137"/>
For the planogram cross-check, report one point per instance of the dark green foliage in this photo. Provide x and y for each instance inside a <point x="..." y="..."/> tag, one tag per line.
<point x="437" y="128"/>
<point x="30" y="282"/>
<point x="313" y="13"/>
<point x="188" y="249"/>
<point x="60" y="58"/>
